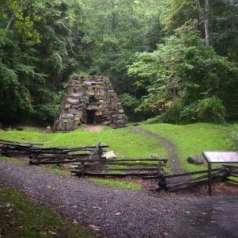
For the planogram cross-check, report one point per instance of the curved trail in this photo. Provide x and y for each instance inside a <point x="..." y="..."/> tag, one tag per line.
<point x="123" y="213"/>
<point x="169" y="146"/>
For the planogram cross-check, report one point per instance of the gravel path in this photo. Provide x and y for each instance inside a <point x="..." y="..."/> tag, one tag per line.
<point x="123" y="213"/>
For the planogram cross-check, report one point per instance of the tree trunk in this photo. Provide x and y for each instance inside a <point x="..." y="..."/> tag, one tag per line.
<point x="206" y="21"/>
<point x="10" y="22"/>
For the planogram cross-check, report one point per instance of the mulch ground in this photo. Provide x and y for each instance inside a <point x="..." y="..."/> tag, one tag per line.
<point x="123" y="213"/>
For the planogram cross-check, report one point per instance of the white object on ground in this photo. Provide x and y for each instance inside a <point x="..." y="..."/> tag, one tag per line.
<point x="109" y="155"/>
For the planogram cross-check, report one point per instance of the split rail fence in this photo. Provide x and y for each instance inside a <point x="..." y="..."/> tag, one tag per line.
<point x="87" y="160"/>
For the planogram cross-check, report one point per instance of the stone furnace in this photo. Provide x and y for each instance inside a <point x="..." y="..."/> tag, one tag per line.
<point x="90" y="100"/>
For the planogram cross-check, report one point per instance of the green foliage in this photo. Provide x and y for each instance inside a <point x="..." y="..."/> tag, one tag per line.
<point x="175" y="13"/>
<point x="36" y="56"/>
<point x="189" y="113"/>
<point x="234" y="137"/>
<point x="14" y="97"/>
<point x="223" y="21"/>
<point x="185" y="69"/>
<point x="160" y="44"/>
<point x="46" y="112"/>
<point x="224" y="28"/>
<point x="206" y="110"/>
<point x="173" y="114"/>
<point x="211" y="109"/>
<point x="130" y="103"/>
<point x="112" y="36"/>
<point x="21" y="19"/>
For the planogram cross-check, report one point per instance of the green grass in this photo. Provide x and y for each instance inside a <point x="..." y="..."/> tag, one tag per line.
<point x="29" y="134"/>
<point x="21" y="218"/>
<point x="117" y="183"/>
<point x="190" y="139"/>
<point x="124" y="142"/>
<point x="13" y="160"/>
<point x="193" y="139"/>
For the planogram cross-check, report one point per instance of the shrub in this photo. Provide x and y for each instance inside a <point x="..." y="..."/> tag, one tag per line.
<point x="130" y="104"/>
<point x="15" y="101"/>
<point x="206" y="110"/>
<point x="211" y="110"/>
<point x="172" y="115"/>
<point x="46" y="113"/>
<point x="234" y="137"/>
<point x="189" y="113"/>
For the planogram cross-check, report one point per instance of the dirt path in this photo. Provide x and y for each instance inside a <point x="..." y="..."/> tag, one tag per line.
<point x="124" y="213"/>
<point x="93" y="128"/>
<point x="169" y="146"/>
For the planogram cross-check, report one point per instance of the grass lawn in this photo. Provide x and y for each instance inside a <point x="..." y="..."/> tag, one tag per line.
<point x="193" y="139"/>
<point x="124" y="142"/>
<point x="117" y="183"/>
<point x="190" y="139"/>
<point x="21" y="218"/>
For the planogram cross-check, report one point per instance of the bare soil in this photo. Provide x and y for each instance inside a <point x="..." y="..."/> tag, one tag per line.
<point x="93" y="128"/>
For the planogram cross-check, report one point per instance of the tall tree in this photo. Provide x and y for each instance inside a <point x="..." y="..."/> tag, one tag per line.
<point x="36" y="53"/>
<point x="206" y="21"/>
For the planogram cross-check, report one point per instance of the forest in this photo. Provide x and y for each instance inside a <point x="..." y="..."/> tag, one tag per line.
<point x="172" y="60"/>
<point x="118" y="118"/>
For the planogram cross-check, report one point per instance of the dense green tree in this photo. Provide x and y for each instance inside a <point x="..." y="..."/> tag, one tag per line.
<point x="216" y="20"/>
<point x="36" y="54"/>
<point x="112" y="36"/>
<point x="182" y="72"/>
<point x="182" y="55"/>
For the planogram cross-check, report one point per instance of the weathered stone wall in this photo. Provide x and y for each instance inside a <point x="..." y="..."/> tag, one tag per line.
<point x="90" y="100"/>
